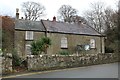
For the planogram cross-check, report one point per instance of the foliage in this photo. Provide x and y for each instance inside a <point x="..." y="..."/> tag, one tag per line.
<point x="107" y="21"/>
<point x="64" y="52"/>
<point x="118" y="26"/>
<point x="41" y="45"/>
<point x="32" y="10"/>
<point x="112" y="42"/>
<point x="35" y="48"/>
<point x="16" y="60"/>
<point x="7" y="34"/>
<point x="108" y="50"/>
<point x="113" y="35"/>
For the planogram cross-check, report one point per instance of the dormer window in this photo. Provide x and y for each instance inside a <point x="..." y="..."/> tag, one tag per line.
<point x="64" y="42"/>
<point x="92" y="43"/>
<point x="29" y="35"/>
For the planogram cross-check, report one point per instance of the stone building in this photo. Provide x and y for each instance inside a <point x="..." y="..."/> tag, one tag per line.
<point x="74" y="37"/>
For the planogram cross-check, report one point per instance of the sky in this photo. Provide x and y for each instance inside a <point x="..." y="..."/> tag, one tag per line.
<point x="8" y="7"/>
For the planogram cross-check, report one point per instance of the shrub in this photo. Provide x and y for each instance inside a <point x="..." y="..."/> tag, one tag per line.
<point x="36" y="47"/>
<point x="109" y="50"/>
<point x="64" y="52"/>
<point x="41" y="45"/>
<point x="17" y="61"/>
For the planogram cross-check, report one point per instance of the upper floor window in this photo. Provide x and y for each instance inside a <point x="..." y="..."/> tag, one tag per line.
<point x="29" y="35"/>
<point x="92" y="43"/>
<point x="64" y="42"/>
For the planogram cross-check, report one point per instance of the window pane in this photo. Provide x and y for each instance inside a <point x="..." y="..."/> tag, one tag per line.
<point x="64" y="42"/>
<point x="29" y="35"/>
<point x="92" y="43"/>
<point x="26" y="35"/>
<point x="28" y="49"/>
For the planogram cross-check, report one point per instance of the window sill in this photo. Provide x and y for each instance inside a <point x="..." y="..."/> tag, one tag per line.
<point x="63" y="48"/>
<point x="93" y="48"/>
<point x="28" y="40"/>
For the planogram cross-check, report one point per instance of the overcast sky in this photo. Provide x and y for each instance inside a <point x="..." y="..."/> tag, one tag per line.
<point x="52" y="6"/>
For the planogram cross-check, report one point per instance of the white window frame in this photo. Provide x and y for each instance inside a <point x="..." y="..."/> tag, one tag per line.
<point x="29" y="35"/>
<point x="28" y="49"/>
<point x="64" y="42"/>
<point x="92" y="43"/>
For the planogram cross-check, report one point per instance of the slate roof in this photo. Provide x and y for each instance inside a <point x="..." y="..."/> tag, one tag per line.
<point x="29" y="25"/>
<point x="56" y="27"/>
<point x="62" y="27"/>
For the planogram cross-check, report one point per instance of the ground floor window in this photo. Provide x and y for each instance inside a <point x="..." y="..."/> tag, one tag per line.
<point x="64" y="42"/>
<point x="28" y="49"/>
<point x="92" y="43"/>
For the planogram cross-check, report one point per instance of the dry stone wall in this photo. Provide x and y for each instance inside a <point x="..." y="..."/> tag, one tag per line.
<point x="5" y="64"/>
<point x="43" y="62"/>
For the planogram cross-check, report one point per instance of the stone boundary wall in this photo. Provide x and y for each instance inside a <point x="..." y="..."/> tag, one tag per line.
<point x="5" y="65"/>
<point x="46" y="62"/>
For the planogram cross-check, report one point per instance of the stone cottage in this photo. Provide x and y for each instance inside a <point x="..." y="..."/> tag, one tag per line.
<point x="74" y="37"/>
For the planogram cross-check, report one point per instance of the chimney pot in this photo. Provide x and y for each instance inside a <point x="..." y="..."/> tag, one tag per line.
<point x="54" y="18"/>
<point x="17" y="13"/>
<point x="21" y="17"/>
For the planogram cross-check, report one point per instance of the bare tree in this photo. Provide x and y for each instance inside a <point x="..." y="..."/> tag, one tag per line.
<point x="118" y="27"/>
<point x="95" y="16"/>
<point x="66" y="12"/>
<point x="32" y="10"/>
<point x="78" y="19"/>
<point x="119" y="14"/>
<point x="110" y="18"/>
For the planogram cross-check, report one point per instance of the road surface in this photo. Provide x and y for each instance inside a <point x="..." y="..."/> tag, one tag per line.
<point x="96" y="71"/>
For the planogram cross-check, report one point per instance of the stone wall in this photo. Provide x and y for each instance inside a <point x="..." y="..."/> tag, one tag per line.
<point x="43" y="62"/>
<point x="6" y="65"/>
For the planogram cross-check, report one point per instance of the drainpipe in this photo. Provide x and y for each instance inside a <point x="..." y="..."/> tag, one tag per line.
<point x="101" y="44"/>
<point x="45" y="33"/>
<point x="45" y="28"/>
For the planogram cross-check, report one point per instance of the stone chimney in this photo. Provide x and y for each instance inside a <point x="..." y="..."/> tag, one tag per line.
<point x="54" y="18"/>
<point x="17" y="13"/>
